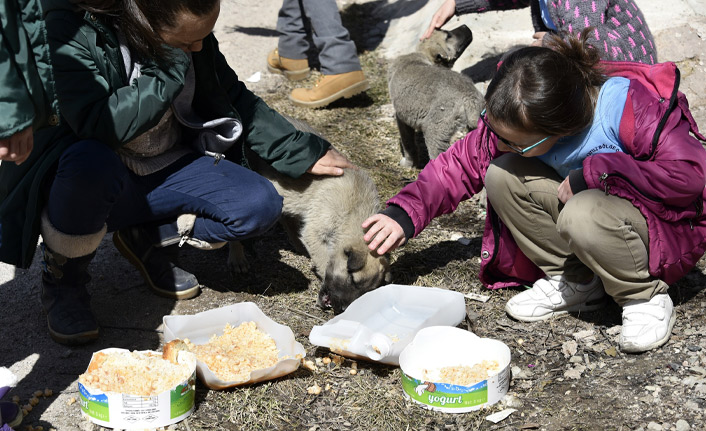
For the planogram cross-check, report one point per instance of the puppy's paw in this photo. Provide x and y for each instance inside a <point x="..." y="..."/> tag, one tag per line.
<point x="237" y="262"/>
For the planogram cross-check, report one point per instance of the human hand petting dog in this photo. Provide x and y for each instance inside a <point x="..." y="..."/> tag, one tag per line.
<point x="331" y="163"/>
<point x="384" y="233"/>
<point x="17" y="147"/>
<point x="538" y="38"/>
<point x="442" y="15"/>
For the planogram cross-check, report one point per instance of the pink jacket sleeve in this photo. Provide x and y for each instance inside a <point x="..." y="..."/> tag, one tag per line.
<point x="454" y="176"/>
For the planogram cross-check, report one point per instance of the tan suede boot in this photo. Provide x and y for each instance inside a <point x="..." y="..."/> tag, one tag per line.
<point x="294" y="70"/>
<point x="330" y="88"/>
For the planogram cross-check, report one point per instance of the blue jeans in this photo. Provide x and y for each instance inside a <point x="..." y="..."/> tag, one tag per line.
<point x="93" y="187"/>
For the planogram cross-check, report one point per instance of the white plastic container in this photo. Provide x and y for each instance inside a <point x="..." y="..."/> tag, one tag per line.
<point x="437" y="347"/>
<point x="200" y="327"/>
<point x="378" y="325"/>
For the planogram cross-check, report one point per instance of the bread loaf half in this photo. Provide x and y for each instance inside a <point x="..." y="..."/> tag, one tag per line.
<point x="171" y="350"/>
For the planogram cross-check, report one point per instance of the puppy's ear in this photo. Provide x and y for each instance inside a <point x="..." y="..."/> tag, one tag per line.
<point x="356" y="259"/>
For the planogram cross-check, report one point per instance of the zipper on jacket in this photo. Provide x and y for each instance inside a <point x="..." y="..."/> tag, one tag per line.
<point x="604" y="180"/>
<point x="663" y="121"/>
<point x="216" y="156"/>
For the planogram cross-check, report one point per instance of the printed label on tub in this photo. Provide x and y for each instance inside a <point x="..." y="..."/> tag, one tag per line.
<point x="445" y="395"/>
<point x="120" y="410"/>
<point x="457" y="398"/>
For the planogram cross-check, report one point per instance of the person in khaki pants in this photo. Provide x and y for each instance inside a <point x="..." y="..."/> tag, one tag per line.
<point x="595" y="188"/>
<point x="342" y="75"/>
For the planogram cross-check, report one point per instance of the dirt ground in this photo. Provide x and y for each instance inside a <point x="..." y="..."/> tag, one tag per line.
<point x="567" y="374"/>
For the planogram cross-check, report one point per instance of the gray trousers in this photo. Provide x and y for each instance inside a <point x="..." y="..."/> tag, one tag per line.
<point x="337" y="52"/>
<point x="593" y="233"/>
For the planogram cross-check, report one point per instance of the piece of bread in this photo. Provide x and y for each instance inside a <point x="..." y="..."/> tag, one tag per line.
<point x="97" y="361"/>
<point x="171" y="350"/>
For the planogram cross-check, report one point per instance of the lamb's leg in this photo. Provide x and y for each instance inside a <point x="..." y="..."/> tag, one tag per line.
<point x="407" y="144"/>
<point x="438" y="138"/>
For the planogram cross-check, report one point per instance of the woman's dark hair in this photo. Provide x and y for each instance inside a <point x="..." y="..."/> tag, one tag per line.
<point x="548" y="90"/>
<point x="140" y="21"/>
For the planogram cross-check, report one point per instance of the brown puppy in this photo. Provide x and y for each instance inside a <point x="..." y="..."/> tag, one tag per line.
<point x="323" y="216"/>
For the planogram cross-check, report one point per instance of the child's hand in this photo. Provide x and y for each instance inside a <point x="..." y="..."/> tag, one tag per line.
<point x="538" y="38"/>
<point x="17" y="147"/>
<point x="565" y="192"/>
<point x="384" y="234"/>
<point x="445" y="12"/>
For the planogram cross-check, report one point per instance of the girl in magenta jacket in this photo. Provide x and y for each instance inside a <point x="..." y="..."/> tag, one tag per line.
<point x="620" y="32"/>
<point x="594" y="184"/>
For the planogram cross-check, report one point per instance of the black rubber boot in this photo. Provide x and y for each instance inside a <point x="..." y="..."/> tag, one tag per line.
<point x="156" y="262"/>
<point x="66" y="300"/>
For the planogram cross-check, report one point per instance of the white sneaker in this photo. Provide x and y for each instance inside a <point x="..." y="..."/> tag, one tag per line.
<point x="552" y="296"/>
<point x="647" y="324"/>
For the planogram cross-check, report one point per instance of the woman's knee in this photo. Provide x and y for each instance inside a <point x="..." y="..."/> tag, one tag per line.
<point x="264" y="209"/>
<point x="90" y="163"/>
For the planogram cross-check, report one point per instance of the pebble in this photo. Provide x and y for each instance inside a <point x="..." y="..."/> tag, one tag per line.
<point x="683" y="425"/>
<point x="689" y="381"/>
<point x="512" y="401"/>
<point x="692" y="405"/>
<point x="699" y="370"/>
<point x="694" y="348"/>
<point x="654" y="426"/>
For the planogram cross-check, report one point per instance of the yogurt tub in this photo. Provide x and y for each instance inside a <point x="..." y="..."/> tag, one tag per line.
<point x="126" y="411"/>
<point x="440" y="348"/>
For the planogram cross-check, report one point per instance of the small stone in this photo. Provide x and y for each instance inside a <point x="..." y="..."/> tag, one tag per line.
<point x="699" y="370"/>
<point x="689" y="381"/>
<point x="615" y="330"/>
<point x="694" y="348"/>
<point x="654" y="426"/>
<point x="692" y="405"/>
<point x="683" y="425"/>
<point x="512" y="401"/>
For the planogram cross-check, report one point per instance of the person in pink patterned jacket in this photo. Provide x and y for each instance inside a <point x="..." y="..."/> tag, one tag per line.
<point x="595" y="186"/>
<point x="620" y="30"/>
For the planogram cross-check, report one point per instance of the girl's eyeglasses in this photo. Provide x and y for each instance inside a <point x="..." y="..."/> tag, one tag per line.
<point x="509" y="144"/>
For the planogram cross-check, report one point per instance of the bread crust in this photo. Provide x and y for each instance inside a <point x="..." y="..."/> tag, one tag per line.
<point x="171" y="350"/>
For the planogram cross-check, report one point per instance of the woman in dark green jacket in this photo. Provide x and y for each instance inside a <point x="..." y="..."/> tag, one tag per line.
<point x="150" y="109"/>
<point x="26" y="86"/>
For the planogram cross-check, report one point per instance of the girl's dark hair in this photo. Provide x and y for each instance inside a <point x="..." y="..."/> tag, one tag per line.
<point x="548" y="90"/>
<point x="140" y="21"/>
